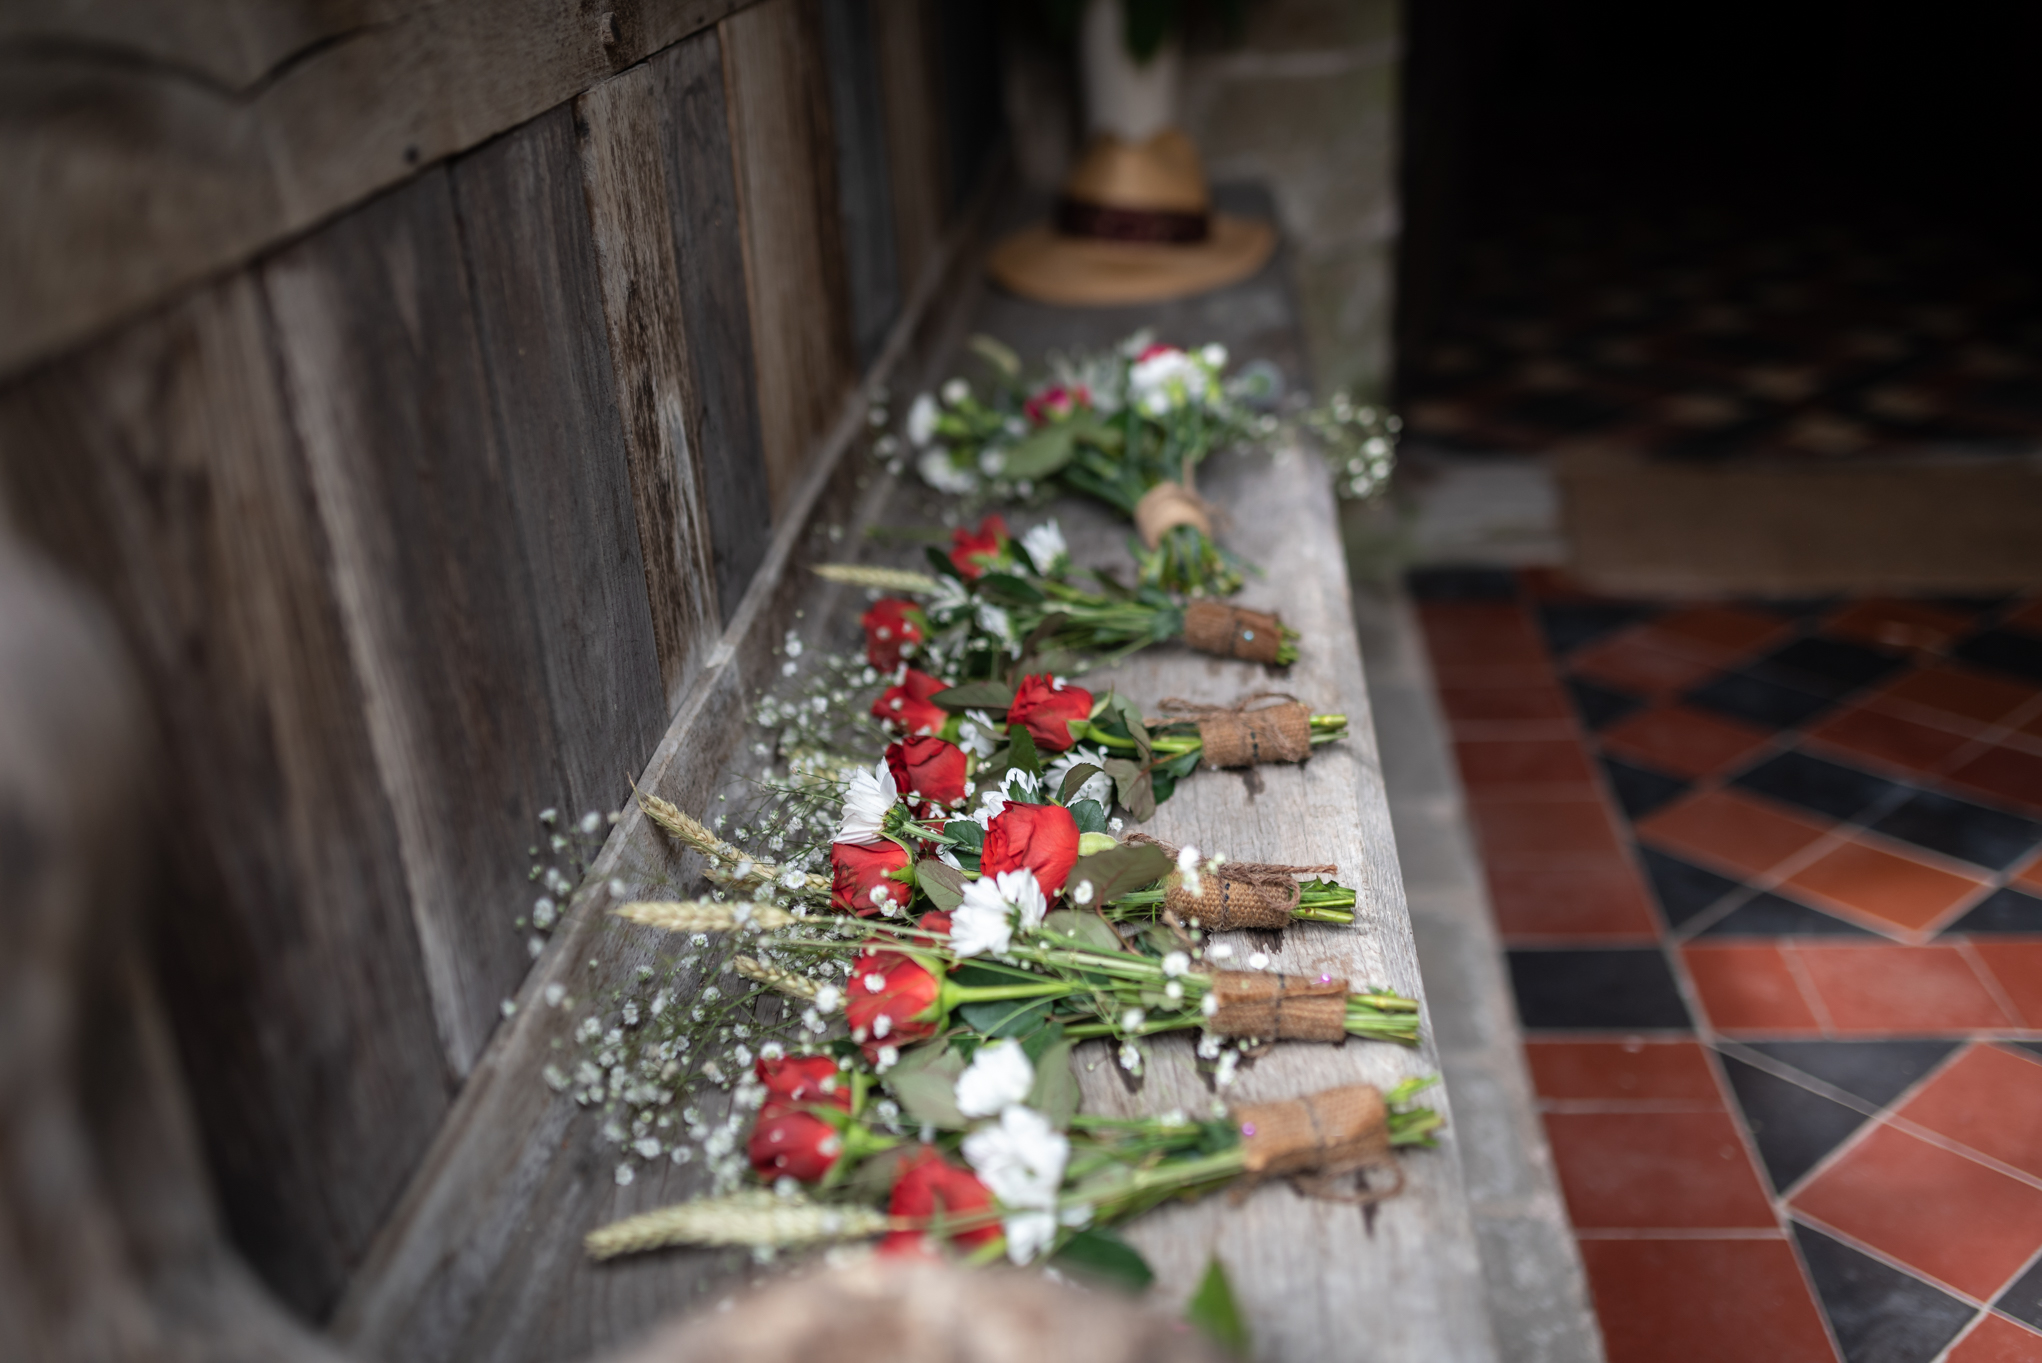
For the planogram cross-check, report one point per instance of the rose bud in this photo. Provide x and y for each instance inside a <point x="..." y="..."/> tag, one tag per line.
<point x="803" y="1079"/>
<point x="885" y="998"/>
<point x="930" y="1189"/>
<point x="891" y="624"/>
<point x="1045" y="707"/>
<point x="931" y="922"/>
<point x="861" y="872"/>
<point x="974" y="551"/>
<point x="928" y="767"/>
<point x="1040" y="838"/>
<point x="907" y="706"/>
<point x="789" y="1143"/>
<point x="1055" y="403"/>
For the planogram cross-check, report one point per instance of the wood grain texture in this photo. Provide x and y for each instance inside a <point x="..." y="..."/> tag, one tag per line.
<point x="864" y="182"/>
<point x="903" y="42"/>
<point x="715" y="308"/>
<point x="624" y="177"/>
<point x="786" y="168"/>
<point x="545" y="348"/>
<point x="163" y="469"/>
<point x="144" y="150"/>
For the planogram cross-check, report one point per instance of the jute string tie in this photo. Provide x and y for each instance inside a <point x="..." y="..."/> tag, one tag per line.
<point x="1240" y="894"/>
<point x="1231" y="632"/>
<point x="1272" y="1007"/>
<point x="1236" y="736"/>
<point x="1316" y="1139"/>
<point x="1166" y="506"/>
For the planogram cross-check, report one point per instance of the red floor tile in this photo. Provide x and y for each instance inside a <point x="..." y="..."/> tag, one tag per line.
<point x="1526" y="762"/>
<point x="1536" y="825"/>
<point x="1535" y="894"/>
<point x="1952" y="1218"/>
<point x="1959" y="693"/>
<point x="1480" y="634"/>
<point x="1877" y="883"/>
<point x="1884" y="987"/>
<point x="1499" y="704"/>
<point x="1749" y="988"/>
<point x="1656" y="1171"/>
<point x="1730" y="829"/>
<point x="1682" y="740"/>
<point x="1886" y="623"/>
<point x="2028" y="616"/>
<point x="1703" y="1301"/>
<point x="1615" y="1071"/>
<point x="1989" y="1100"/>
<point x="2004" y="774"/>
<point x="1496" y="676"/>
<point x="1720" y="633"/>
<point x="2017" y="967"/>
<point x="1631" y="662"/>
<point x="1998" y="1340"/>
<point x="1868" y="731"/>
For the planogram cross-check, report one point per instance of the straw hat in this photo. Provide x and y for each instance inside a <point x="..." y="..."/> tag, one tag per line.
<point x="1134" y="225"/>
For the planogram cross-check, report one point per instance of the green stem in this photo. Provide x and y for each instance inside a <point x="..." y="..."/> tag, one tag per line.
<point x="954" y="994"/>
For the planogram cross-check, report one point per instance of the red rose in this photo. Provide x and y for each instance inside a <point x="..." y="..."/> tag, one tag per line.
<point x="930" y="1189"/>
<point x="1054" y="403"/>
<point x="1045" y="707"/>
<point x="929" y="923"/>
<point x="890" y="624"/>
<point x="790" y="1143"/>
<point x="907" y="705"/>
<point x="975" y="551"/>
<point x="858" y="869"/>
<point x="1150" y="352"/>
<point x="1042" y="838"/>
<point x="884" y="997"/>
<point x="930" y="768"/>
<point x="803" y="1079"/>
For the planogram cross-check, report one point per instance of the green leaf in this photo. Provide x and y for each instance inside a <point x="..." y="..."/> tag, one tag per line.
<point x="1105" y="1258"/>
<point x="1213" y="1312"/>
<point x="967" y="834"/>
<point x="1089" y="816"/>
<point x="980" y="695"/>
<point x="1181" y="765"/>
<point x="944" y="884"/>
<point x="1162" y="785"/>
<point x="1118" y="870"/>
<point x="1055" y="1094"/>
<point x="1021" y="753"/>
<point x="1005" y="589"/>
<point x="1006" y="1017"/>
<point x="1074" y="778"/>
<point x="940" y="561"/>
<point x="872" y="1180"/>
<point x="924" y="1083"/>
<point x="1133" y="788"/>
<point x="1040" y="454"/>
<point x="1086" y="930"/>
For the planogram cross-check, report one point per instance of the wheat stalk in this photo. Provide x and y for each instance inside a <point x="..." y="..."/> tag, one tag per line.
<point x="702" y="915"/>
<point x="754" y="1217"/>
<point x="880" y="579"/>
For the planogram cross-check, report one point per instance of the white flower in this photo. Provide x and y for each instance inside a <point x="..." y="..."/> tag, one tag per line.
<point x="867" y="799"/>
<point x="1187" y="868"/>
<point x="1045" y="545"/>
<point x="1098" y="786"/>
<point x="922" y="421"/>
<point x="996" y="622"/>
<point x="1021" y="1162"/>
<point x="1167" y="380"/>
<point x="990" y="803"/>
<point x="985" y="921"/>
<point x="998" y="1077"/>
<point x="939" y="473"/>
<point x="991" y="461"/>
<point x="955" y="392"/>
<point x="1214" y="355"/>
<point x="1024" y="785"/>
<point x="1175" y="964"/>
<point x="977" y="734"/>
<point x="1029" y="1234"/>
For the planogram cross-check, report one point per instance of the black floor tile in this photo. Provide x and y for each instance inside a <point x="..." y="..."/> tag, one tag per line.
<point x="1756" y="700"/>
<point x="1683" y="890"/>
<point x="1570" y="624"/>
<point x="1462" y="584"/>
<point x="1825" y="787"/>
<point x="2023" y="1300"/>
<point x="2005" y="650"/>
<point x="1792" y="1127"/>
<point x="1958" y="828"/>
<point x="1771" y="915"/>
<point x="1876" y="1071"/>
<point x="2034" y="1046"/>
<point x="1601" y="707"/>
<point x="1828" y="667"/>
<point x="1629" y="990"/>
<point x="1879" y="1314"/>
<point x="1639" y="790"/>
<point x="2001" y="911"/>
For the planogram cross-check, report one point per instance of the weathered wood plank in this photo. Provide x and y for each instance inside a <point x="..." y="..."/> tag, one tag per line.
<point x="144" y="151"/>
<point x="538" y="303"/>
<point x="391" y="401"/>
<point x="624" y="177"/>
<point x="864" y="184"/>
<point x="914" y="131"/>
<point x="162" y="467"/>
<point x="787" y="193"/>
<point x="715" y="308"/>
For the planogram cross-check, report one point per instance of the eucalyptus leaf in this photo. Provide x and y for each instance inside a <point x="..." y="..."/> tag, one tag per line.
<point x="942" y="883"/>
<point x="1116" y="871"/>
<point x="979" y="695"/>
<point x="924" y="1083"/>
<point x="1074" y="779"/>
<point x="1040" y="454"/>
<point x="1106" y="1258"/>
<point x="1214" y="1313"/>
<point x="1055" y="1093"/>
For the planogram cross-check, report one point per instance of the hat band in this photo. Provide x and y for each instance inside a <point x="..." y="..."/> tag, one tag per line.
<point x="1076" y="218"/>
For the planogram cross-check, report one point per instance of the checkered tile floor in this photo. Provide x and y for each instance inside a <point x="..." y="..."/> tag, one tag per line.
<point x="1769" y="875"/>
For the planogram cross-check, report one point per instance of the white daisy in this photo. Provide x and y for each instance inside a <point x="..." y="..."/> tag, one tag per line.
<point x="868" y="798"/>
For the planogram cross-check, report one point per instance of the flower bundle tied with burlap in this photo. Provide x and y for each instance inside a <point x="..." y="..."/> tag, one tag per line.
<point x="1233" y="632"/>
<point x="1236" y="736"/>
<point x="1236" y="894"/>
<point x="1166" y="506"/>
<point x="1318" y="1139"/>
<point x="1268" y="1006"/>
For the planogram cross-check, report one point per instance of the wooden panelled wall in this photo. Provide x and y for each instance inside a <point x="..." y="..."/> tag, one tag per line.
<point x="423" y="521"/>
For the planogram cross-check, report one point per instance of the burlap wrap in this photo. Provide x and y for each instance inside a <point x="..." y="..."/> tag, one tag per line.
<point x="1225" y="902"/>
<point x="1332" y="1132"/>
<point x="1272" y="1007"/>
<point x="1211" y="627"/>
<point x="1166" y="506"/>
<point x="1235" y="736"/>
